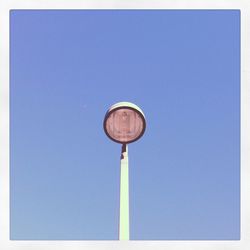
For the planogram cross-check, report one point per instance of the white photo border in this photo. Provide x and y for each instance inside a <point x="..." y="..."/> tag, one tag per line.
<point x="6" y="6"/>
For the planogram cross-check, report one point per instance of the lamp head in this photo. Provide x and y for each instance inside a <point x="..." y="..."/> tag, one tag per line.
<point x="124" y="122"/>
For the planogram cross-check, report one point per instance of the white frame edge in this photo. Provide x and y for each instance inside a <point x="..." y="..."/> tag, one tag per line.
<point x="6" y="6"/>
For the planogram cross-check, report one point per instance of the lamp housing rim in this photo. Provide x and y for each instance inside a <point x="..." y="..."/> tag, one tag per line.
<point x="125" y="105"/>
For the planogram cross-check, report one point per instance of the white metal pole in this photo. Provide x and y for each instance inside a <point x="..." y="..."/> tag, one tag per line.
<point x="124" y="195"/>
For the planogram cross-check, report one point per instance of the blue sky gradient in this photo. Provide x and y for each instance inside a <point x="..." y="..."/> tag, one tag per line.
<point x="181" y="67"/>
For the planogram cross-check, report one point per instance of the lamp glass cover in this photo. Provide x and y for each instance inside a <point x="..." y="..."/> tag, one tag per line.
<point x="124" y="125"/>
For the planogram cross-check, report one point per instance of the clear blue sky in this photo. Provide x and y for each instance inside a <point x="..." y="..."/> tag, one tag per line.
<point x="181" y="67"/>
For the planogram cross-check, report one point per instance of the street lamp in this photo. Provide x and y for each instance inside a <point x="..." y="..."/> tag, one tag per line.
<point x="124" y="123"/>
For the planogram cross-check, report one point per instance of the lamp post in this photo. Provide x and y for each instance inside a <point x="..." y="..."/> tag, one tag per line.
<point x="124" y="123"/>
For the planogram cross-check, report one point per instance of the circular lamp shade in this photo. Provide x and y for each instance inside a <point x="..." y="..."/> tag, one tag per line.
<point x="124" y="122"/>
